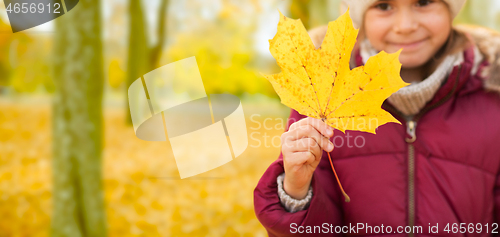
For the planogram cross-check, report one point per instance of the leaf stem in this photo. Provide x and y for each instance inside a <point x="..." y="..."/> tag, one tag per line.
<point x="347" y="198"/>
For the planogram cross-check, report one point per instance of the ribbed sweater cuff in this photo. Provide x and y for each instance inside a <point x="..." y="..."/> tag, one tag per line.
<point x="292" y="205"/>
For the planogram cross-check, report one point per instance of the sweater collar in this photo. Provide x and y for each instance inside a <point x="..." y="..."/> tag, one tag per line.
<point x="453" y="75"/>
<point x="411" y="99"/>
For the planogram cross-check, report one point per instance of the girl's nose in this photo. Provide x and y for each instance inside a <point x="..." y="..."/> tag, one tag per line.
<point x="406" y="22"/>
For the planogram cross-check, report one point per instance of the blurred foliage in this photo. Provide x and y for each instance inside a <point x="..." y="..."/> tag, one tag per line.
<point x="5" y="40"/>
<point x="299" y="9"/>
<point x="116" y="75"/>
<point x="142" y="198"/>
<point x="31" y="72"/>
<point x="23" y="63"/>
<point x="143" y="193"/>
<point x="143" y="57"/>
<point x="481" y="12"/>
<point x="224" y="46"/>
<point x="224" y="50"/>
<point x="314" y="13"/>
<point x="25" y="178"/>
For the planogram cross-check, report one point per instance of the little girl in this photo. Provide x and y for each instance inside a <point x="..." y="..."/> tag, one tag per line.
<point x="437" y="173"/>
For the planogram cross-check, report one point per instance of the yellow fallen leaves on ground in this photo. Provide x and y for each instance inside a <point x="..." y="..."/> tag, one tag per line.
<point x="143" y="192"/>
<point x="319" y="83"/>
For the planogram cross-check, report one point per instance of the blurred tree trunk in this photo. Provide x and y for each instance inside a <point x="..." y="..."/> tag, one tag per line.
<point x="156" y="50"/>
<point x="77" y="124"/>
<point x="319" y="13"/>
<point x="137" y="48"/>
<point x="299" y="9"/>
<point x="314" y="13"/>
<point x="141" y="57"/>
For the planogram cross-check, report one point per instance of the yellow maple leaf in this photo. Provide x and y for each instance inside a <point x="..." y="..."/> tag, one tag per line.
<point x="319" y="83"/>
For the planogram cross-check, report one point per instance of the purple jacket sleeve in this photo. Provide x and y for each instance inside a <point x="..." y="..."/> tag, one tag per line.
<point x="324" y="208"/>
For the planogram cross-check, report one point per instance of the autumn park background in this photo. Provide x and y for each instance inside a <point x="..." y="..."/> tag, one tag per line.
<point x="70" y="163"/>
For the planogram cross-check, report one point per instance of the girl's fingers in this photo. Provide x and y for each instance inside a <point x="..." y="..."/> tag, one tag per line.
<point x="311" y="132"/>
<point x="300" y="158"/>
<point x="308" y="145"/>
<point x="319" y="125"/>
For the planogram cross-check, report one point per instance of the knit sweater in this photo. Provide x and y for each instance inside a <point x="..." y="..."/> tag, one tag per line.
<point x="408" y="100"/>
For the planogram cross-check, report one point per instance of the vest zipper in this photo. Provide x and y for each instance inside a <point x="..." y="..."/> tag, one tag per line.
<point x="411" y="128"/>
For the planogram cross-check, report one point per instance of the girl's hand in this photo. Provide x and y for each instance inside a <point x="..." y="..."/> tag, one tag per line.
<point x="302" y="146"/>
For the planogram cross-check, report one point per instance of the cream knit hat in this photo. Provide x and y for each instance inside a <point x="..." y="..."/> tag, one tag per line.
<point x="357" y="8"/>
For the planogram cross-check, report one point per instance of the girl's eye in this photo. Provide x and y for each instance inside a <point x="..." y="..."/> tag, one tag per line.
<point x="423" y="3"/>
<point x="383" y="6"/>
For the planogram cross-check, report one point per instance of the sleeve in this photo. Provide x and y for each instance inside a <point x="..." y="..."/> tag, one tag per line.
<point x="291" y="204"/>
<point x="324" y="209"/>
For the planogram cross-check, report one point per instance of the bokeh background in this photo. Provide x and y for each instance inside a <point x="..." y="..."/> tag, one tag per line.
<point x="45" y="72"/>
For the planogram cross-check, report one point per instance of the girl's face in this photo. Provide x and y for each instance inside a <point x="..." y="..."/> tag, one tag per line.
<point x="420" y="27"/>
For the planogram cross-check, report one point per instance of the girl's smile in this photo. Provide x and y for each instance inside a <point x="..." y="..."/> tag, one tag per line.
<point x="419" y="27"/>
<point x="408" y="46"/>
